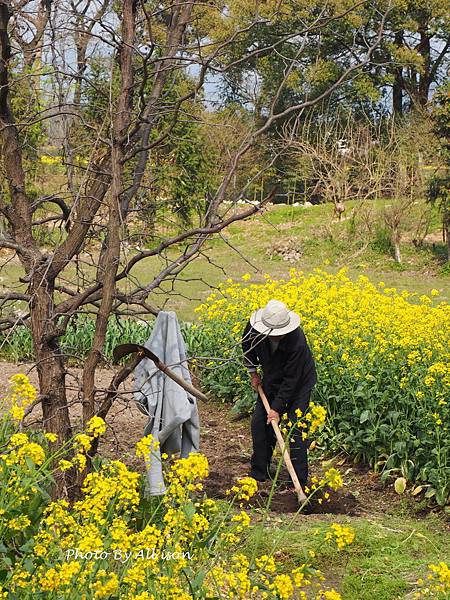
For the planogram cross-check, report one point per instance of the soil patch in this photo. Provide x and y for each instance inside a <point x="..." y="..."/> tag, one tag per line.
<point x="227" y="445"/>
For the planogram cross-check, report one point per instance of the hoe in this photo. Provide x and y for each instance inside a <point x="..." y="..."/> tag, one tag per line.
<point x="302" y="498"/>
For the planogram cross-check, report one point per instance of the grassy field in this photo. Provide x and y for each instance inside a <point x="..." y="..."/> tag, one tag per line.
<point x="384" y="562"/>
<point x="253" y="246"/>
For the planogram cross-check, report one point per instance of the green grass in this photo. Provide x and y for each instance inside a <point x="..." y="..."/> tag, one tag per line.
<point x="389" y="554"/>
<point x="253" y="237"/>
<point x="325" y="243"/>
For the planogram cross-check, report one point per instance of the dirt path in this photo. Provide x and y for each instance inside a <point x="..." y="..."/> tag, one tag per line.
<point x="227" y="445"/>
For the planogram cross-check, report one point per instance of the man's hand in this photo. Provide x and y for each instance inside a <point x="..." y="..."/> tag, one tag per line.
<point x="255" y="380"/>
<point x="272" y="415"/>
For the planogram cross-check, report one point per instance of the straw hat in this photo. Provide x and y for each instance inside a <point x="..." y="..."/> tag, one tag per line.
<point x="274" y="319"/>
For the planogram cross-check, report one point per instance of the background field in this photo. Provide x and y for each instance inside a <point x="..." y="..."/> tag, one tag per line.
<point x="310" y="237"/>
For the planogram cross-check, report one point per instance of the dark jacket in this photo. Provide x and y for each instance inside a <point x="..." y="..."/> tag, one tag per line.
<point x="288" y="372"/>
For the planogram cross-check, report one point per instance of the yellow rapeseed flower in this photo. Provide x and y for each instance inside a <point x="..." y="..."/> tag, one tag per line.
<point x="343" y="536"/>
<point x="334" y="479"/>
<point x="246" y="488"/>
<point x="96" y="426"/>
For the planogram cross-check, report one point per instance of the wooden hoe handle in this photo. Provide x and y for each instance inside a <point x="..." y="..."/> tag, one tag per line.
<point x="125" y="349"/>
<point x="287" y="459"/>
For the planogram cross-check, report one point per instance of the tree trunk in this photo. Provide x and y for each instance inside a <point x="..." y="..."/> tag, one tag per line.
<point x="81" y="47"/>
<point x="424" y="77"/>
<point x="109" y="256"/>
<point x="51" y="372"/>
<point x="49" y="362"/>
<point x="396" y="246"/>
<point x="446" y="232"/>
<point x="397" y="90"/>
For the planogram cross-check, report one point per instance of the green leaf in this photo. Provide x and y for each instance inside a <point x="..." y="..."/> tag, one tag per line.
<point x="30" y="463"/>
<point x="364" y="416"/>
<point x="430" y="493"/>
<point x="441" y="497"/>
<point x="189" y="510"/>
<point x="400" y="485"/>
<point x="28" y="546"/>
<point x="197" y="581"/>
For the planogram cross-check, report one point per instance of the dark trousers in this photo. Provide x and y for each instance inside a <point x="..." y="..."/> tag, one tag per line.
<point x="264" y="440"/>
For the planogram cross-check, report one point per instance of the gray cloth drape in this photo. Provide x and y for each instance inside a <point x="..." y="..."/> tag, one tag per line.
<point x="173" y="414"/>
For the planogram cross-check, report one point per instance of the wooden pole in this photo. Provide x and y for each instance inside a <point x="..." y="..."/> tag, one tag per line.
<point x="125" y="349"/>
<point x="287" y="459"/>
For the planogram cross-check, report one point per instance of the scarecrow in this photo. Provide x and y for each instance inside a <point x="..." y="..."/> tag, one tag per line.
<point x="274" y="342"/>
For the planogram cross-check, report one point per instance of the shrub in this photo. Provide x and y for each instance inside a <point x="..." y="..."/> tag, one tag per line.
<point x="17" y="345"/>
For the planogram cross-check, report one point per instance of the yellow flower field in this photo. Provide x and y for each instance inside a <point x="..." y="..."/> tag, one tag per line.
<point x="383" y="360"/>
<point x="115" y="542"/>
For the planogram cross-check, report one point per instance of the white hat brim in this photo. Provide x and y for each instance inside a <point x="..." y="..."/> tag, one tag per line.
<point x="256" y="323"/>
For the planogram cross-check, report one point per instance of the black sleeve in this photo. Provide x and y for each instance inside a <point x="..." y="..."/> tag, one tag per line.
<point x="292" y="380"/>
<point x="248" y="347"/>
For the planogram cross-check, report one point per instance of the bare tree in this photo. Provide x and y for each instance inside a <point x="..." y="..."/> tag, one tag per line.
<point x="30" y="22"/>
<point x="149" y="45"/>
<point x="345" y="160"/>
<point x="84" y="23"/>
<point x="339" y="157"/>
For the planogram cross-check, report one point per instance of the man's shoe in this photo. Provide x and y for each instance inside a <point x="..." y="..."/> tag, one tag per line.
<point x="257" y="476"/>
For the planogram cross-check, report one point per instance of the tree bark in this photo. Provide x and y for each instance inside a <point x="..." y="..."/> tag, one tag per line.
<point x="51" y="372"/>
<point x="109" y="259"/>
<point x="424" y="77"/>
<point x="81" y="47"/>
<point x="397" y="90"/>
<point x="397" y="253"/>
<point x="448" y="246"/>
<point x="38" y="271"/>
<point x="446" y="230"/>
